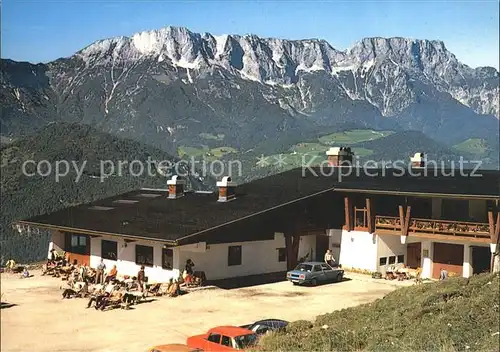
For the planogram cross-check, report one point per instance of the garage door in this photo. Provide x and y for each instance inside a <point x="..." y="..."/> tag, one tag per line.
<point x="449" y="257"/>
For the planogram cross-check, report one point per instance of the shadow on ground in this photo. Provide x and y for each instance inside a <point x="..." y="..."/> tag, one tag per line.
<point x="7" y="305"/>
<point x="248" y="281"/>
<point x="254" y="280"/>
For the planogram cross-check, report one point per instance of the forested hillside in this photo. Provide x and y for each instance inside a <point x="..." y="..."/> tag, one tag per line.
<point x="26" y="196"/>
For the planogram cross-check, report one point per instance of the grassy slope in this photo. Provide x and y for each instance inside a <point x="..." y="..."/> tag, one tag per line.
<point x="481" y="149"/>
<point x="402" y="145"/>
<point x="378" y="145"/>
<point x="352" y="136"/>
<point x="455" y="315"/>
<point x="473" y="145"/>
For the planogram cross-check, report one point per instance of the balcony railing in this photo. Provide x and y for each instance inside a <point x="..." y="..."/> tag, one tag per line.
<point x="437" y="227"/>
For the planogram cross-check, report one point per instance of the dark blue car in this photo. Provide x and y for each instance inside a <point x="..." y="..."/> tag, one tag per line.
<point x="261" y="327"/>
<point x="314" y="273"/>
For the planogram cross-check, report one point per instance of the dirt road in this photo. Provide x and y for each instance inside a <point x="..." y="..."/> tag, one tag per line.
<point x="41" y="321"/>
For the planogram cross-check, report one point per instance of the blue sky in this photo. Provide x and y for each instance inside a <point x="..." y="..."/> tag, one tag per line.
<point x="43" y="30"/>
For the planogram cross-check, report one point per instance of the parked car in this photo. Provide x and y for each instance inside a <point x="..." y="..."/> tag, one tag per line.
<point x="261" y="327"/>
<point x="173" y="347"/>
<point x="314" y="273"/>
<point x="224" y="338"/>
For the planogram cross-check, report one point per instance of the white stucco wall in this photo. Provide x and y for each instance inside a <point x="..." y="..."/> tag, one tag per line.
<point x="125" y="262"/>
<point x="467" y="268"/>
<point x="389" y="245"/>
<point x="258" y="257"/>
<point x="56" y="242"/>
<point x="358" y="249"/>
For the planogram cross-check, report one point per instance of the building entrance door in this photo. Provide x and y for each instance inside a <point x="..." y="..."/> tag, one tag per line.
<point x="481" y="259"/>
<point x="321" y="247"/>
<point x="413" y="255"/>
<point x="449" y="257"/>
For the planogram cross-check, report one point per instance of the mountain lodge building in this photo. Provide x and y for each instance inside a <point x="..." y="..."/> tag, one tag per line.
<point x="266" y="226"/>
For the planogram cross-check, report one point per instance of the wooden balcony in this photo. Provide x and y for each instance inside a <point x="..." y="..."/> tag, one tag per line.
<point x="430" y="228"/>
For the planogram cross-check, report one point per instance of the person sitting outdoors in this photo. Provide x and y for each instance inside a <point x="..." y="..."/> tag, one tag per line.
<point x="10" y="265"/>
<point x="51" y="258"/>
<point x="329" y="259"/>
<point x="112" y="274"/>
<point x="79" y="289"/>
<point x="68" y="289"/>
<point x="189" y="267"/>
<point x="101" y="295"/>
<point x="173" y="289"/>
<point x="90" y="275"/>
<point x="128" y="299"/>
<point x="187" y="278"/>
<point x="113" y="294"/>
<point x="65" y="259"/>
<point x="25" y="274"/>
<point x="82" y="272"/>
<point x="165" y="286"/>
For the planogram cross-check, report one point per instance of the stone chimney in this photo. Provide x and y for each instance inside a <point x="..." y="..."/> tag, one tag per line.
<point x="175" y="187"/>
<point x="226" y="189"/>
<point x="418" y="160"/>
<point x="340" y="156"/>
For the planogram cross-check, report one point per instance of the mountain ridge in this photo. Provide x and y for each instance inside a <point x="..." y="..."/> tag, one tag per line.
<point x="168" y="86"/>
<point x="162" y="43"/>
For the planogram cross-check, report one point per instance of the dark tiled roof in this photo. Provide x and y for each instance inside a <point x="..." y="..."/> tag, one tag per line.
<point x="452" y="183"/>
<point x="170" y="220"/>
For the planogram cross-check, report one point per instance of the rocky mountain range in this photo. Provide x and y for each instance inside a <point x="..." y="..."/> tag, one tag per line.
<point x="169" y="86"/>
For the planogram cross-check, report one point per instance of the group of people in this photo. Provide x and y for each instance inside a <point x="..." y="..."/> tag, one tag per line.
<point x="113" y="293"/>
<point x="101" y="276"/>
<point x="55" y="258"/>
<point x="190" y="277"/>
<point x="103" y="288"/>
<point x="11" y="266"/>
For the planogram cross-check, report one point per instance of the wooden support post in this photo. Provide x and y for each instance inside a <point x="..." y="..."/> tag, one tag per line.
<point x="288" y="250"/>
<point x="494" y="228"/>
<point x="292" y="242"/>
<point x="295" y="250"/>
<point x="404" y="218"/>
<point x="370" y="215"/>
<point x="407" y="220"/>
<point x="491" y="223"/>
<point x="347" y="211"/>
<point x="497" y="229"/>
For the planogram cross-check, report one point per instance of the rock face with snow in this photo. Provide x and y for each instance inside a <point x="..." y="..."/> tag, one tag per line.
<point x="171" y="84"/>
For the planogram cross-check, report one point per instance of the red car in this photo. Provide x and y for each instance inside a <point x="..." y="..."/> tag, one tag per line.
<point x="224" y="338"/>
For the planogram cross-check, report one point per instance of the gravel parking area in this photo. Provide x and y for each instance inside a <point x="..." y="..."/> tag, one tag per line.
<point x="41" y="321"/>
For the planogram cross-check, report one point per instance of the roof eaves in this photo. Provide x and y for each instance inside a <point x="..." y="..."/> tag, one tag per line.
<point x="92" y="232"/>
<point x="422" y="194"/>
